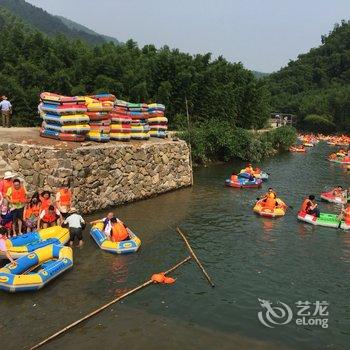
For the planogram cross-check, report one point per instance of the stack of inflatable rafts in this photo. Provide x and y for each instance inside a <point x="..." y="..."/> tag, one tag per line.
<point x="158" y="123"/>
<point x="64" y="118"/>
<point x="139" y="124"/>
<point x="98" y="109"/>
<point x="120" y="121"/>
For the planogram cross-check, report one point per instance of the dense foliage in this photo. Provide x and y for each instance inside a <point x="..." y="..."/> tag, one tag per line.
<point x="213" y="140"/>
<point x="316" y="86"/>
<point x="32" y="62"/>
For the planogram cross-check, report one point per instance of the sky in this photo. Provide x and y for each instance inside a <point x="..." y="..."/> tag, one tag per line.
<point x="262" y="34"/>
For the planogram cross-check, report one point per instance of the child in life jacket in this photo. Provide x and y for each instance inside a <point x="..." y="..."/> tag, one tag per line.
<point x="3" y="249"/>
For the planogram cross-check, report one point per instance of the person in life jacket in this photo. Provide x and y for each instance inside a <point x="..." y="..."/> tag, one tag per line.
<point x="32" y="212"/>
<point x="45" y="199"/>
<point x="345" y="214"/>
<point x="49" y="217"/>
<point x="64" y="199"/>
<point x="270" y="194"/>
<point x="249" y="169"/>
<point x="119" y="231"/>
<point x="234" y="177"/>
<point x="3" y="248"/>
<point x="310" y="206"/>
<point x="17" y="197"/>
<point x="338" y="192"/>
<point x="6" y="182"/>
<point x="6" y="216"/>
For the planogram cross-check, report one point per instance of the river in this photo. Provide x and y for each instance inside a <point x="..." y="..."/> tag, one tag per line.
<point x="248" y="257"/>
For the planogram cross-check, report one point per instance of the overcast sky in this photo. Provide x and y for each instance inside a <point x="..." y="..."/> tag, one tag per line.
<point x="263" y="34"/>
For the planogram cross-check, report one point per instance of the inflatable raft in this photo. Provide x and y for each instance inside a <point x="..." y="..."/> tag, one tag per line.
<point x="331" y="198"/>
<point x="326" y="220"/>
<point x="63" y="109"/>
<point x="130" y="246"/>
<point x="244" y="183"/>
<point x="69" y="128"/>
<point x="279" y="211"/>
<point x="158" y="133"/>
<point x="29" y="242"/>
<point x="33" y="271"/>
<point x="56" y="135"/>
<point x="340" y="161"/>
<point x="120" y="136"/>
<point x="98" y="136"/>
<point x="65" y="119"/>
<point x="258" y="174"/>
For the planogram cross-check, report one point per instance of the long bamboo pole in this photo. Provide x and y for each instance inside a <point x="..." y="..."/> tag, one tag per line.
<point x="95" y="312"/>
<point x="194" y="256"/>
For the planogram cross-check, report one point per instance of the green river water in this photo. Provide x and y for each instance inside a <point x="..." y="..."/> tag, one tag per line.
<point x="248" y="257"/>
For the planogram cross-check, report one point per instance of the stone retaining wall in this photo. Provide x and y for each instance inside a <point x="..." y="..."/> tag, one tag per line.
<point x="103" y="175"/>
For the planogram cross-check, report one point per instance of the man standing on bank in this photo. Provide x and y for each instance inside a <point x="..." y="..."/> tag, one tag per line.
<point x="6" y="111"/>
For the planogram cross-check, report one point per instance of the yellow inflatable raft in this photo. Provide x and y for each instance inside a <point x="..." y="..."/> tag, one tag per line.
<point x="29" y="242"/>
<point x="278" y="211"/>
<point x="33" y="271"/>
<point x="130" y="246"/>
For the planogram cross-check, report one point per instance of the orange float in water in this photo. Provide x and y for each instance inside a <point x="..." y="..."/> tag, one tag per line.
<point x="158" y="277"/>
<point x="161" y="278"/>
<point x="169" y="280"/>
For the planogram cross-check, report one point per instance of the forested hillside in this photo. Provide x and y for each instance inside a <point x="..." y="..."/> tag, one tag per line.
<point x="316" y="86"/>
<point x="33" y="62"/>
<point x="49" y="24"/>
<point x="73" y="25"/>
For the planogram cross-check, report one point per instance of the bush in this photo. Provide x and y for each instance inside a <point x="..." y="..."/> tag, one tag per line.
<point x="215" y="140"/>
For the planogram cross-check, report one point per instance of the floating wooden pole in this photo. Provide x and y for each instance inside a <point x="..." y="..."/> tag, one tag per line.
<point x="95" y="312"/>
<point x="194" y="256"/>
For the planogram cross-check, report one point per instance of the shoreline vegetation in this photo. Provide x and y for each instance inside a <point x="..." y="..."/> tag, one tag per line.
<point x="214" y="141"/>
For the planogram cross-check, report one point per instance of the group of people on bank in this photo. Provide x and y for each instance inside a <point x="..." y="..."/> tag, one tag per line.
<point x="20" y="213"/>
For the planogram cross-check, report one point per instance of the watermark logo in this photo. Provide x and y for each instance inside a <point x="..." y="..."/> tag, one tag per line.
<point x="274" y="315"/>
<point x="305" y="313"/>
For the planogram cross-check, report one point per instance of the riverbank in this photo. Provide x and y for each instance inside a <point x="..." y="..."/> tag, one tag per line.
<point x="101" y="175"/>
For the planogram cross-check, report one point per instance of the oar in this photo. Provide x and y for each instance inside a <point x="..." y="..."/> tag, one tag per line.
<point x="95" y="312"/>
<point x="194" y="256"/>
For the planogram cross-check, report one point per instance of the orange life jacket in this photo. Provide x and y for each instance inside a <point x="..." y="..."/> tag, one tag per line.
<point x="18" y="196"/>
<point x="270" y="203"/>
<point x="304" y="206"/>
<point x="6" y="184"/>
<point x="50" y="218"/>
<point x="32" y="211"/>
<point x="45" y="203"/>
<point x="65" y="197"/>
<point x="119" y="232"/>
<point x="347" y="215"/>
